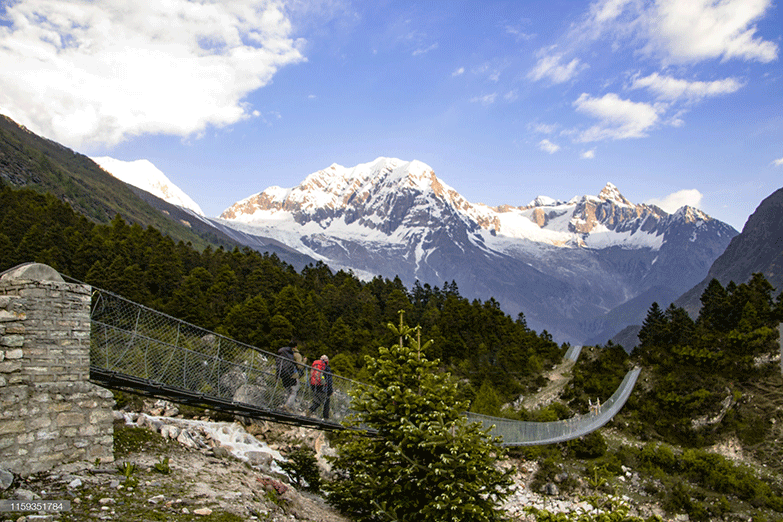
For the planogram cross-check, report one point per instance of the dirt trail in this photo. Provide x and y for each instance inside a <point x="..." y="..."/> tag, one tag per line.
<point x="558" y="377"/>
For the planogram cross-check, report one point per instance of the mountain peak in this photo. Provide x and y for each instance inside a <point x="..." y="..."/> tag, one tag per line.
<point x="611" y="193"/>
<point x="690" y="214"/>
<point x="544" y="201"/>
<point x="146" y="176"/>
<point x="338" y="188"/>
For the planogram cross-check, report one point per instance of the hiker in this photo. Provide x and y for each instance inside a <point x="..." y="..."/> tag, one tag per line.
<point x="287" y="373"/>
<point x="321" y="384"/>
<point x="290" y="403"/>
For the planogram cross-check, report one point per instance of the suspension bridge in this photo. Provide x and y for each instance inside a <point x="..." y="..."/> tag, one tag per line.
<point x="138" y="349"/>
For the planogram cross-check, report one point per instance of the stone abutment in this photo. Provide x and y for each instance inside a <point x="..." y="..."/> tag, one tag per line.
<point x="49" y="412"/>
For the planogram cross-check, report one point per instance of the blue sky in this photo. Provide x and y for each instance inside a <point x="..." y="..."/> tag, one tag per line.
<point x="673" y="101"/>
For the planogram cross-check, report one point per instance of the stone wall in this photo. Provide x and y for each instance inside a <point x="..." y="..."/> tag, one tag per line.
<point x="49" y="412"/>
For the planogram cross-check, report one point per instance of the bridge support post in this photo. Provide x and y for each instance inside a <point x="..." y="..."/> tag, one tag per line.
<point x="49" y="412"/>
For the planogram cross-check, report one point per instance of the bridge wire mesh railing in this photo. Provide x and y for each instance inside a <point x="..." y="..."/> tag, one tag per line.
<point x="525" y="433"/>
<point x="163" y="352"/>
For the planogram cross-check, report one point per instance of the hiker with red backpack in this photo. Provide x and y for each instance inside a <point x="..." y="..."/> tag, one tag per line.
<point x="321" y="384"/>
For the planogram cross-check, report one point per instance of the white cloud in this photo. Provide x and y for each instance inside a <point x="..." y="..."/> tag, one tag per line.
<point x="548" y="146"/>
<point x="545" y="128"/>
<point x="672" y="202"/>
<point x="683" y="31"/>
<point x="588" y="154"/>
<point x="607" y="10"/>
<point x="618" y="118"/>
<point x="425" y="50"/>
<point x="549" y="66"/>
<point x="86" y="73"/>
<point x="778" y="162"/>
<point x="458" y="72"/>
<point x="668" y="88"/>
<point x="696" y="30"/>
<point x="518" y="33"/>
<point x="511" y="95"/>
<point x="487" y="99"/>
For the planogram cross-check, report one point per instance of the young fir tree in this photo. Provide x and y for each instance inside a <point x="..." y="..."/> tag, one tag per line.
<point x="427" y="462"/>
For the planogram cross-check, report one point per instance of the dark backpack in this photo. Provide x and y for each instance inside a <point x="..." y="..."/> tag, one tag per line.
<point x="285" y="364"/>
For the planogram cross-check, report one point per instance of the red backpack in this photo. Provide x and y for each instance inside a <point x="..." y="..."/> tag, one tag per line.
<point x="317" y="373"/>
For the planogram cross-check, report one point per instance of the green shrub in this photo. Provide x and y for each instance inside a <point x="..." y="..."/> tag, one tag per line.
<point x="590" y="446"/>
<point x="302" y="467"/>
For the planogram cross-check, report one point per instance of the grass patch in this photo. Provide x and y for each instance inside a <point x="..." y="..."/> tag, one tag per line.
<point x="132" y="439"/>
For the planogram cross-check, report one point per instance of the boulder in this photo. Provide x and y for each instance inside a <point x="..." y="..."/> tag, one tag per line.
<point x="6" y="479"/>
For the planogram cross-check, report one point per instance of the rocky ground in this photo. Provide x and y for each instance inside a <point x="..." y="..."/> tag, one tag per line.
<point x="169" y="468"/>
<point x="165" y="471"/>
<point x="157" y="478"/>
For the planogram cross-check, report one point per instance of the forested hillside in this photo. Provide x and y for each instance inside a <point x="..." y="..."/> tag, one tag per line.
<point x="715" y="380"/>
<point x="30" y="161"/>
<point x="260" y="300"/>
<point x="708" y="378"/>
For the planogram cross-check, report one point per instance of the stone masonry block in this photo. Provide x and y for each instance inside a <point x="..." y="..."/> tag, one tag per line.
<point x="89" y="431"/>
<point x="16" y="353"/>
<point x="106" y="454"/>
<point x="17" y="426"/>
<point x="32" y="291"/>
<point x="10" y="366"/>
<point x="102" y="415"/>
<point x="47" y="435"/>
<point x="25" y="438"/>
<point x="8" y="315"/>
<point x="12" y="340"/>
<point x="14" y="328"/>
<point x="41" y="421"/>
<point x="72" y="418"/>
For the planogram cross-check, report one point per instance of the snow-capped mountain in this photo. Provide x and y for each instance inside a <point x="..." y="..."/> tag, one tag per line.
<point x="565" y="264"/>
<point x="146" y="176"/>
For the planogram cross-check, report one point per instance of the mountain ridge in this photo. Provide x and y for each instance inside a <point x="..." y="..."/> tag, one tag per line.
<point x="32" y="161"/>
<point x="575" y="260"/>
<point x="758" y="248"/>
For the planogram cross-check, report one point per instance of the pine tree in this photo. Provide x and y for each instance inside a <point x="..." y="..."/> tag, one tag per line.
<point x="650" y="334"/>
<point x="487" y="400"/>
<point x="715" y="307"/>
<point x="427" y="462"/>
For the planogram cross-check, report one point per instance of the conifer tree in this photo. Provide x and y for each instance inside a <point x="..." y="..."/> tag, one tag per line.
<point x="427" y="462"/>
<point x="652" y="326"/>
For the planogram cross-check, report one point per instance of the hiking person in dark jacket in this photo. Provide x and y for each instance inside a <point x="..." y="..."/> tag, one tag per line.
<point x="287" y="373"/>
<point x="321" y="383"/>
